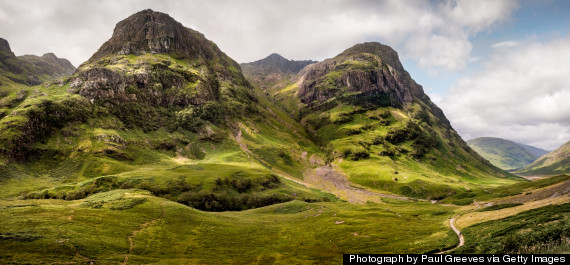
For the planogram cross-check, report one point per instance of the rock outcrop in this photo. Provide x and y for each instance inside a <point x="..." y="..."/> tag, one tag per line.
<point x="5" y="46"/>
<point x="369" y="72"/>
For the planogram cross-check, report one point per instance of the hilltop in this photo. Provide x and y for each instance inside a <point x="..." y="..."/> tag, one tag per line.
<point x="505" y="154"/>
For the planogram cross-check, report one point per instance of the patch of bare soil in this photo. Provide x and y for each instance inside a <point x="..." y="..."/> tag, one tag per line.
<point x="330" y="179"/>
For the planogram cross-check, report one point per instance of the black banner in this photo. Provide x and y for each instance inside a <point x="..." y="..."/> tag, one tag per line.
<point x="453" y="259"/>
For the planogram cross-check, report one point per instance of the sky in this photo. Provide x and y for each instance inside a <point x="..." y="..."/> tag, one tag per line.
<point x="496" y="68"/>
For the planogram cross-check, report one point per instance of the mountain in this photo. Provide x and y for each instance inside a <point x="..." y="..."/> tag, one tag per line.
<point x="272" y="70"/>
<point x="503" y="153"/>
<point x="376" y="123"/>
<point x="31" y="69"/>
<point x="538" y="152"/>
<point x="160" y="96"/>
<point x="553" y="163"/>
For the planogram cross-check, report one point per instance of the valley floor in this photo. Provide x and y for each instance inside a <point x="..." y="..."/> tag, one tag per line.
<point x="131" y="226"/>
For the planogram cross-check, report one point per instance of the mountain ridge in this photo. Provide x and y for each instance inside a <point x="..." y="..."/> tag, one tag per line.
<point x="555" y="162"/>
<point x="272" y="69"/>
<point x="32" y="69"/>
<point x="503" y="153"/>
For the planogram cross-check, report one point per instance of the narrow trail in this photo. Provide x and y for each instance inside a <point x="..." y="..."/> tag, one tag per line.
<point x="65" y="240"/>
<point x="458" y="233"/>
<point x="141" y="228"/>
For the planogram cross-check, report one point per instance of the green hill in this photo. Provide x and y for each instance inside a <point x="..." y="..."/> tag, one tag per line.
<point x="503" y="153"/>
<point x="375" y="122"/>
<point x="553" y="163"/>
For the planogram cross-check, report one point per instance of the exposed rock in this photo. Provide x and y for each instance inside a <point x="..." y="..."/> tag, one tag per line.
<point x="368" y="74"/>
<point x="5" y="46"/>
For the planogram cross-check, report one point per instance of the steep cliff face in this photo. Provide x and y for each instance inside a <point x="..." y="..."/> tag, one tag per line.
<point x="5" y="46"/>
<point x="369" y="75"/>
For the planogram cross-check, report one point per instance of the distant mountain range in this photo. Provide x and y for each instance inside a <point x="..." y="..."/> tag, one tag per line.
<point x="553" y="163"/>
<point x="505" y="154"/>
<point x="272" y="70"/>
<point x="31" y="69"/>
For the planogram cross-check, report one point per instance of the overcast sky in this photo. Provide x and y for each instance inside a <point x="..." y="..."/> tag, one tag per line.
<point x="496" y="68"/>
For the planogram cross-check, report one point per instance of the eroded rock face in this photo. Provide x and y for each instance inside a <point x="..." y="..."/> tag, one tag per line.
<point x="147" y="84"/>
<point x="374" y="79"/>
<point x="154" y="32"/>
<point x="5" y="46"/>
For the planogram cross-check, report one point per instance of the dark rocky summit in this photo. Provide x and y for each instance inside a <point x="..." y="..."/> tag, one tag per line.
<point x="5" y="46"/>
<point x="370" y="72"/>
<point x="157" y="33"/>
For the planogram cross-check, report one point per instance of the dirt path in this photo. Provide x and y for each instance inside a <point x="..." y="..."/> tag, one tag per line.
<point x="65" y="240"/>
<point x="141" y="228"/>
<point x="458" y="233"/>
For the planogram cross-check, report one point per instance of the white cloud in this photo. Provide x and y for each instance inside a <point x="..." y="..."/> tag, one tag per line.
<point x="435" y="34"/>
<point x="522" y="94"/>
<point x="505" y="44"/>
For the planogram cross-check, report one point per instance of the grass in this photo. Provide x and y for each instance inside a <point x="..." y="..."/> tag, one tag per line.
<point x="98" y="228"/>
<point x="499" y="207"/>
<point x="542" y="230"/>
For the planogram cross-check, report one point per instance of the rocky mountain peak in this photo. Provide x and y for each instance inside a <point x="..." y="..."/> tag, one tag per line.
<point x="4" y="45"/>
<point x="385" y="52"/>
<point x="371" y="72"/>
<point x="157" y="33"/>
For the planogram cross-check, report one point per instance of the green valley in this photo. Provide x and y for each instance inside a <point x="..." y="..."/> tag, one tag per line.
<point x="160" y="150"/>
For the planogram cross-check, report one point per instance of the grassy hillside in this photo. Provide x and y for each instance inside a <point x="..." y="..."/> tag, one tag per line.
<point x="393" y="140"/>
<point x="133" y="225"/>
<point x="502" y="153"/>
<point x="543" y="230"/>
<point x="555" y="162"/>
